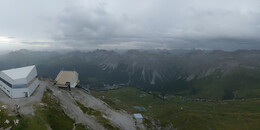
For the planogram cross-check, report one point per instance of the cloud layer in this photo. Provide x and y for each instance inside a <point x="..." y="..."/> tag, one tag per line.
<point x="147" y="24"/>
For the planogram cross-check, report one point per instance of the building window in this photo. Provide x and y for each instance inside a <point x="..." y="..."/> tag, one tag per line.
<point x="5" y="82"/>
<point x="8" y="91"/>
<point x="19" y="86"/>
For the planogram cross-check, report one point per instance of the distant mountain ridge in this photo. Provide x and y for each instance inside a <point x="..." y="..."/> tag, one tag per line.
<point x="163" y="71"/>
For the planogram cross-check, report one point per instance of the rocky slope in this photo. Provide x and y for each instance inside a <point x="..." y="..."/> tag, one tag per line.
<point x="49" y="101"/>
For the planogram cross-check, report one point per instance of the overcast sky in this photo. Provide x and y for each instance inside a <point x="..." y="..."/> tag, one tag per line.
<point x="132" y="24"/>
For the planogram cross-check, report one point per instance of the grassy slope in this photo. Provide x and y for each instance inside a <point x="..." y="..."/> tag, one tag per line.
<point x="241" y="83"/>
<point x="195" y="115"/>
<point x="51" y="115"/>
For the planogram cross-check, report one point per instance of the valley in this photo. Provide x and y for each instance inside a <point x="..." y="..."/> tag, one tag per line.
<point x="184" y="114"/>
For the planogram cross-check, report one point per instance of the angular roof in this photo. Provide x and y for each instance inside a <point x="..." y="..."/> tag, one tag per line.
<point x="138" y="116"/>
<point x="19" y="73"/>
<point x="65" y="76"/>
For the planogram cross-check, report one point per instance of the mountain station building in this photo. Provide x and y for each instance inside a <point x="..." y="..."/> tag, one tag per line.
<point x="67" y="77"/>
<point x="19" y="82"/>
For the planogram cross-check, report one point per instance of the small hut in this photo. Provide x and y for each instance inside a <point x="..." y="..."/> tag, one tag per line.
<point x="138" y="117"/>
<point x="67" y="79"/>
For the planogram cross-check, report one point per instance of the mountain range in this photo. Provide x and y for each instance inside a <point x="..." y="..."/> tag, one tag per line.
<point x="195" y="73"/>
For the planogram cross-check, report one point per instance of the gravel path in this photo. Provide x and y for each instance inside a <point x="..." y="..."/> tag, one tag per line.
<point x="121" y="119"/>
<point x="73" y="111"/>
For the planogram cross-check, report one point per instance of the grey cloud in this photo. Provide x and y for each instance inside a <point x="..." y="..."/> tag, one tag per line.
<point x="37" y="43"/>
<point x="145" y="24"/>
<point x="94" y="26"/>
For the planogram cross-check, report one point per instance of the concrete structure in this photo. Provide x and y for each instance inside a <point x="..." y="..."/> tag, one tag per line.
<point x="138" y="117"/>
<point x="19" y="82"/>
<point x="67" y="76"/>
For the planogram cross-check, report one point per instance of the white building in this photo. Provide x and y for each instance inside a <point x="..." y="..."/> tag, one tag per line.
<point x="138" y="117"/>
<point x="65" y="77"/>
<point x="19" y="82"/>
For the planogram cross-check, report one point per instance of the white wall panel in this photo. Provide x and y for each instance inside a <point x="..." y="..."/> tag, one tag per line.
<point x="33" y="86"/>
<point x="17" y="93"/>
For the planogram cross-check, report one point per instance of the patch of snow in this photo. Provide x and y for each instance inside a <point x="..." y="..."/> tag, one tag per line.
<point x="7" y="122"/>
<point x="4" y="106"/>
<point x="9" y="128"/>
<point x="155" y="75"/>
<point x="190" y="77"/>
<point x="16" y="121"/>
<point x="143" y="74"/>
